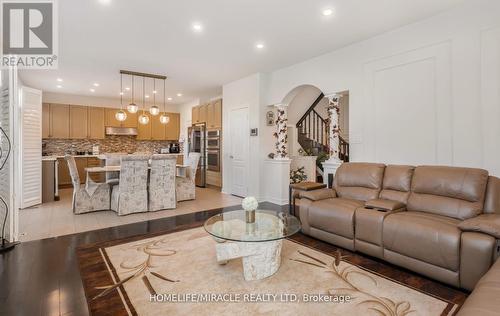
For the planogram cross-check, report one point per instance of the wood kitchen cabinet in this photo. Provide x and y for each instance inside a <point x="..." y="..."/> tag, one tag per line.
<point x="59" y="121"/>
<point x="158" y="130"/>
<point x="144" y="131"/>
<point x="99" y="177"/>
<point x="46" y="120"/>
<point x="63" y="176"/>
<point x="214" y="114"/>
<point x="111" y="120"/>
<point x="173" y="127"/>
<point x="96" y="118"/>
<point x="78" y="122"/>
<point x="81" y="164"/>
<point x="131" y="120"/>
<point x="203" y="113"/>
<point x="195" y="114"/>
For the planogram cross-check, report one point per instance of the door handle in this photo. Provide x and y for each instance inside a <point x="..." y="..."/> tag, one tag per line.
<point x="231" y="156"/>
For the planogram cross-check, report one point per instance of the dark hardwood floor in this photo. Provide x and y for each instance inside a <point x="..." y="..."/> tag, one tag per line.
<point x="42" y="277"/>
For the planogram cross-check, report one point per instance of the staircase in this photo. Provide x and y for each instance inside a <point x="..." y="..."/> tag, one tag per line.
<point x="312" y="130"/>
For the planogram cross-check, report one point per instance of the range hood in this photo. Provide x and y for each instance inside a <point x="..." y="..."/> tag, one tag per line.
<point x="121" y="131"/>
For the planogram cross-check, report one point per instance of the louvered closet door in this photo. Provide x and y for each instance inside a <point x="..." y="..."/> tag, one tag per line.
<point x="31" y="147"/>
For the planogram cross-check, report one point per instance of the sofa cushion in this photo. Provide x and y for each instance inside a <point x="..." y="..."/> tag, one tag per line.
<point x="492" y="200"/>
<point x="484" y="299"/>
<point x="334" y="216"/>
<point x="426" y="237"/>
<point x="448" y="191"/>
<point x="397" y="183"/>
<point x="359" y="181"/>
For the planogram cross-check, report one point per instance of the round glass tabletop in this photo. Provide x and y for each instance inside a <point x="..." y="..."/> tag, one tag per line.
<point x="268" y="226"/>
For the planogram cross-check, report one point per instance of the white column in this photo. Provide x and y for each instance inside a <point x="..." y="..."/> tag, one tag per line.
<point x="281" y="133"/>
<point x="333" y="163"/>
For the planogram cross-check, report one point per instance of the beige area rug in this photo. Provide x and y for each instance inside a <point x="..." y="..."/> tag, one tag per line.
<point x="180" y="268"/>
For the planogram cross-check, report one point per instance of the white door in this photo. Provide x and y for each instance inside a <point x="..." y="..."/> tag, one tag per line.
<point x="240" y="143"/>
<point x="31" y="147"/>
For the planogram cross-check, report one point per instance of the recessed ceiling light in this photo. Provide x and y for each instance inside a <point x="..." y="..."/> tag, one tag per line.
<point x="154" y="91"/>
<point x="169" y="99"/>
<point x="259" y="45"/>
<point x="179" y="94"/>
<point x="59" y="80"/>
<point x="59" y="86"/>
<point x="121" y="93"/>
<point x="127" y="88"/>
<point x="197" y="27"/>
<point x="146" y="96"/>
<point x="327" y="12"/>
<point x="92" y="90"/>
<point x="106" y="2"/>
<point x="96" y="84"/>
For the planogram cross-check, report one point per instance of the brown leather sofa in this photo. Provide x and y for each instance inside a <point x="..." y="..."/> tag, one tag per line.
<point x="438" y="221"/>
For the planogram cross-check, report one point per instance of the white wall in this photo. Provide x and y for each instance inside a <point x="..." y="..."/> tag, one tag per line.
<point x="426" y="93"/>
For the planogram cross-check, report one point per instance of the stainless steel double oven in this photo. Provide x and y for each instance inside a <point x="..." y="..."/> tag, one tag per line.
<point x="213" y="150"/>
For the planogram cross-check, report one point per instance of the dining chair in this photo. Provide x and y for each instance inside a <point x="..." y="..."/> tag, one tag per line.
<point x="84" y="201"/>
<point x="162" y="182"/>
<point x="130" y="195"/>
<point x="112" y="178"/>
<point x="185" y="187"/>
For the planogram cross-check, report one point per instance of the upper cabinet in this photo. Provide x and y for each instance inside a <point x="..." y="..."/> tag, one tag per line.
<point x="210" y="113"/>
<point x="96" y="120"/>
<point x="173" y="127"/>
<point x="88" y="122"/>
<point x="195" y="115"/>
<point x="78" y="116"/>
<point x="59" y="121"/>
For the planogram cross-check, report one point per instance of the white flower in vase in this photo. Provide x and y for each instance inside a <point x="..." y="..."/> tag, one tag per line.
<point x="250" y="203"/>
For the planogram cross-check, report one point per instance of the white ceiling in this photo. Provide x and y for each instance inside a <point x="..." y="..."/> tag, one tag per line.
<point x="97" y="40"/>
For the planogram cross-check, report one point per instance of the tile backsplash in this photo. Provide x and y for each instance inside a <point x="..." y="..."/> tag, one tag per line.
<point x="128" y="144"/>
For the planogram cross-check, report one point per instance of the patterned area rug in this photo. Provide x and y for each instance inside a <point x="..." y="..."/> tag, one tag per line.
<point x="177" y="274"/>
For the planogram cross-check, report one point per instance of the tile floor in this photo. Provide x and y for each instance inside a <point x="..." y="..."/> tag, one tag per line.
<point x="57" y="219"/>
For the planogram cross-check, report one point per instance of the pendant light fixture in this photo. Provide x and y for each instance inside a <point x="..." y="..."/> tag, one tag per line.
<point x="121" y="115"/>
<point x="164" y="119"/>
<point x="154" y="110"/>
<point x="132" y="107"/>
<point x="143" y="118"/>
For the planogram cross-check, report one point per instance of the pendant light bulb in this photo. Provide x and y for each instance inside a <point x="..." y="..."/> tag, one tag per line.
<point x="121" y="115"/>
<point x="132" y="108"/>
<point x="164" y="119"/>
<point x="154" y="110"/>
<point x="143" y="119"/>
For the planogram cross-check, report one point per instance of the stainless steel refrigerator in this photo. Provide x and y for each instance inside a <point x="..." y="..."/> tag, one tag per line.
<point x="198" y="144"/>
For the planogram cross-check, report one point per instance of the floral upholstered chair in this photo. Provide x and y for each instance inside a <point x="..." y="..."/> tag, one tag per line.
<point x="185" y="187"/>
<point x="131" y="194"/>
<point x="162" y="182"/>
<point x="113" y="160"/>
<point x="84" y="201"/>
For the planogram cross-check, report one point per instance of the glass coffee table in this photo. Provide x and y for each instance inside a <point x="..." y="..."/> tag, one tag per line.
<point x="257" y="243"/>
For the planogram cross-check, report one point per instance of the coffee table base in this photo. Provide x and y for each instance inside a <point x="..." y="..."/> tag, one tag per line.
<point x="260" y="259"/>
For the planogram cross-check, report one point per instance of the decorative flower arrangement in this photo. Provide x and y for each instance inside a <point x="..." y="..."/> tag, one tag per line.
<point x="250" y="203"/>
<point x="333" y="122"/>
<point x="281" y="134"/>
<point x="298" y="175"/>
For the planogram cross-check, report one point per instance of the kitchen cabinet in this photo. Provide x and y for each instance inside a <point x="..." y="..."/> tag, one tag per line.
<point x="45" y="120"/>
<point x="131" y="120"/>
<point x="144" y="131"/>
<point x="203" y="113"/>
<point x="180" y="160"/>
<point x="78" y="122"/>
<point x="63" y="176"/>
<point x="96" y="118"/>
<point x="111" y="120"/>
<point x="195" y="114"/>
<point x="81" y="164"/>
<point x="158" y="130"/>
<point x="214" y="114"/>
<point x="96" y="176"/>
<point x="173" y="127"/>
<point x="59" y="121"/>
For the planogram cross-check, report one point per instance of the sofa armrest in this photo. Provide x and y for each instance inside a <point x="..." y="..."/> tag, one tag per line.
<point x="486" y="224"/>
<point x="317" y="195"/>
<point x="384" y="205"/>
